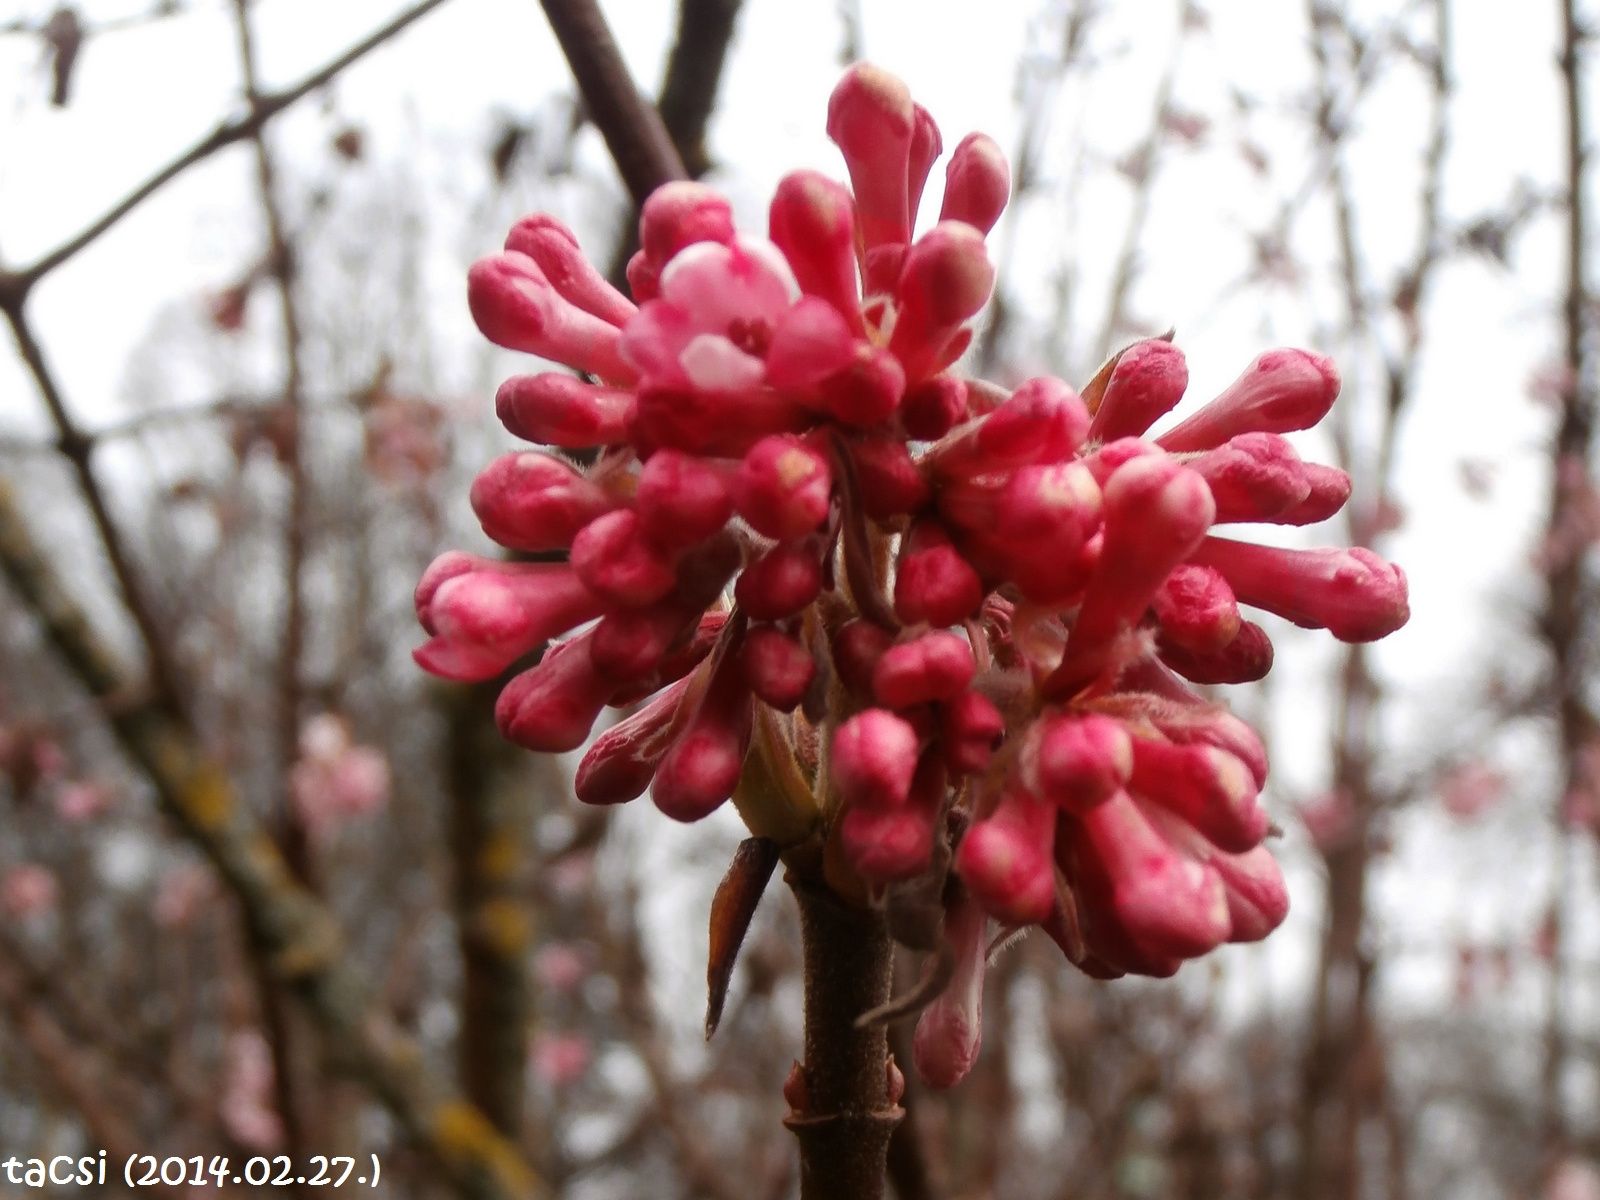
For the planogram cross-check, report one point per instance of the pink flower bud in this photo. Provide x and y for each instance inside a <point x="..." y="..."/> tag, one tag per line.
<point x="950" y="1029"/>
<point x="873" y="759"/>
<point x="644" y="278"/>
<point x="617" y="563"/>
<point x="1156" y="513"/>
<point x="1254" y="477"/>
<point x="516" y="307"/>
<point x="811" y="343"/>
<point x="1006" y="860"/>
<point x="1209" y="788"/>
<point x="890" y="482"/>
<point x="782" y="581"/>
<point x="934" y="407"/>
<point x="977" y="183"/>
<point x="1077" y="762"/>
<point x="680" y="213"/>
<point x="1217" y="727"/>
<point x="783" y="487"/>
<point x="970" y="727"/>
<point x="779" y="669"/>
<point x="622" y="760"/>
<point x="552" y="707"/>
<point x="724" y="424"/>
<point x="28" y="890"/>
<point x="812" y="220"/>
<point x="933" y="583"/>
<point x="946" y="279"/>
<point x="1258" y="899"/>
<point x="530" y="501"/>
<point x="1044" y="421"/>
<point x="1147" y="383"/>
<point x="935" y="666"/>
<point x="485" y="615"/>
<point x="1247" y="658"/>
<point x="1048" y="509"/>
<point x="871" y="119"/>
<point x="560" y="410"/>
<point x="1330" y="489"/>
<point x="1354" y="594"/>
<point x="1171" y="906"/>
<point x="1281" y="391"/>
<point x="682" y="499"/>
<point x="702" y="767"/>
<point x="856" y="648"/>
<point x="890" y="843"/>
<point x="1197" y="610"/>
<point x="1103" y="463"/>
<point x="552" y="245"/>
<point x="647" y="647"/>
<point x="926" y="146"/>
<point x="866" y="391"/>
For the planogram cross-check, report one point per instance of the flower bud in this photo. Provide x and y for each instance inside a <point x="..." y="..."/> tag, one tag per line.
<point x="1330" y="489"/>
<point x="1044" y="421"/>
<point x="946" y="279"/>
<point x="1197" y="610"/>
<point x="778" y="668"/>
<point x="1209" y="788"/>
<point x="1281" y="391"/>
<point x="1103" y="463"/>
<point x="1258" y="899"/>
<point x="977" y="183"/>
<point x="516" y="307"/>
<point x="552" y="245"/>
<point x="679" y="214"/>
<point x="552" y="707"/>
<point x="560" y="410"/>
<point x="933" y="583"/>
<point x="533" y="502"/>
<point x="890" y="843"/>
<point x="682" y="499"/>
<point x="702" y="767"/>
<point x="856" y="649"/>
<point x="1245" y="659"/>
<point x="935" y="666"/>
<point x="950" y="1029"/>
<point x="647" y="648"/>
<point x="812" y="220"/>
<point x="484" y="615"/>
<point x="872" y="120"/>
<point x="1006" y="859"/>
<point x="889" y="481"/>
<point x="1254" y="477"/>
<point x="616" y="562"/>
<point x="622" y="761"/>
<point x="970" y="729"/>
<point x="1148" y="381"/>
<point x="926" y="146"/>
<point x="1353" y="594"/>
<point x="934" y="407"/>
<point x="1076" y="762"/>
<point x="1217" y="727"/>
<point x="866" y="391"/>
<point x="874" y="756"/>
<point x="783" y="487"/>
<point x="782" y="581"/>
<point x="722" y="424"/>
<point x="812" y="342"/>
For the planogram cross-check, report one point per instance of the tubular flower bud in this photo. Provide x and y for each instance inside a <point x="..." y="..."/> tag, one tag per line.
<point x="946" y="279"/>
<point x="616" y="561"/>
<point x="1196" y="609"/>
<point x="647" y="647"/>
<point x="977" y="183"/>
<point x="1353" y="594"/>
<point x="552" y="707"/>
<point x="1044" y="421"/>
<point x="782" y="488"/>
<point x="679" y="214"/>
<point x="552" y="245"/>
<point x="561" y="410"/>
<point x="1329" y="490"/>
<point x="1005" y="860"/>
<point x="856" y="650"/>
<point x="934" y="407"/>
<point x="970" y="726"/>
<point x="874" y="757"/>
<point x="950" y="1030"/>
<point x="1245" y="659"/>
<point x="779" y="669"/>
<point x="889" y="479"/>
<point x="889" y="843"/>
<point x="529" y="501"/>
<point x="1145" y="385"/>
<point x="872" y="119"/>
<point x="485" y="615"/>
<point x="682" y="499"/>
<point x="867" y="389"/>
<point x="1283" y="390"/>
<point x="781" y="582"/>
<point x="516" y="307"/>
<point x="935" y="666"/>
<point x="622" y="761"/>
<point x="812" y="220"/>
<point x="702" y="766"/>
<point x="1254" y="477"/>
<point x="1209" y="788"/>
<point x="933" y="582"/>
<point x="926" y="146"/>
<point x="1077" y="762"/>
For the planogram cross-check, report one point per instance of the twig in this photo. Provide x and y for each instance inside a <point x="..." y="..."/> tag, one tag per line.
<point x="302" y="936"/>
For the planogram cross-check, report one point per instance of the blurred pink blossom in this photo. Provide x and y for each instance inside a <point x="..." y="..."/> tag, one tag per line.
<point x="246" y="1104"/>
<point x="1573" y="1179"/>
<point x="335" y="781"/>
<point x="77" y="801"/>
<point x="560" y="1059"/>
<point x="181" y="893"/>
<point x="1471" y="789"/>
<point x="28" y="890"/>
<point x="1327" y="818"/>
<point x="563" y="966"/>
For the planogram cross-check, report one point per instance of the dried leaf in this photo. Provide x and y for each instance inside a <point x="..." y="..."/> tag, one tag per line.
<point x="731" y="910"/>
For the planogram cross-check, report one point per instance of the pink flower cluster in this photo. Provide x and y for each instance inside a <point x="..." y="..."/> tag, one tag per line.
<point x="333" y="780"/>
<point x="962" y="608"/>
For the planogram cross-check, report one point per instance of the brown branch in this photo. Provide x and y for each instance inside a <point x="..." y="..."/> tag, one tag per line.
<point x="301" y="935"/>
<point x="633" y="129"/>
